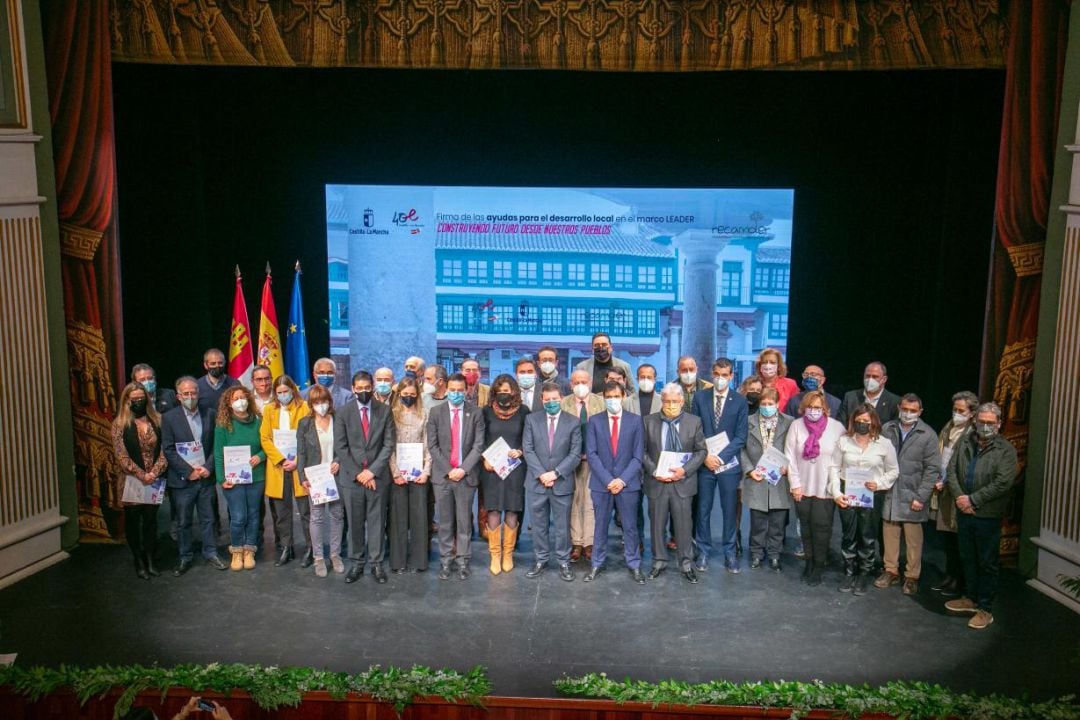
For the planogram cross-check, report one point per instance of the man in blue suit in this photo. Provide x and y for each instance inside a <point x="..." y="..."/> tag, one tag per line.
<point x="721" y="409"/>
<point x="615" y="446"/>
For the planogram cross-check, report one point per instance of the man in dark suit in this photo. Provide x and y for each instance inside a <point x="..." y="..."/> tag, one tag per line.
<point x="813" y="378"/>
<point x="364" y="438"/>
<point x="720" y="409"/>
<point x="671" y="495"/>
<point x="873" y="393"/>
<point x="163" y="399"/>
<point x="215" y="381"/>
<point x="614" y="444"/>
<point x="527" y="380"/>
<point x="455" y="440"/>
<point x="552" y="445"/>
<point x="191" y="487"/>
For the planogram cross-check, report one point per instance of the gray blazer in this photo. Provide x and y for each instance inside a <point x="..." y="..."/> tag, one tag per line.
<point x="588" y="364"/>
<point x="352" y="450"/>
<point x="693" y="440"/>
<point x="563" y="458"/>
<point x="633" y="404"/>
<point x="920" y="468"/>
<point x="438" y="442"/>
<point x="762" y="495"/>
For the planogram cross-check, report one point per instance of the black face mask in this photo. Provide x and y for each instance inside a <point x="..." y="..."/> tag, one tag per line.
<point x="216" y="372"/>
<point x="138" y="408"/>
<point x="364" y="396"/>
<point x="602" y="355"/>
<point x="862" y="428"/>
<point x="504" y="400"/>
<point x="407" y="400"/>
<point x="753" y="398"/>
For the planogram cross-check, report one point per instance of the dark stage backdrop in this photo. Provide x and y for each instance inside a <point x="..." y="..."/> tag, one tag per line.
<point x="893" y="173"/>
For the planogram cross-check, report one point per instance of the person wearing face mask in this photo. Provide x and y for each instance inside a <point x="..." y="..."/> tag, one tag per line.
<point x="364" y="439"/>
<point x="862" y="447"/>
<point x="525" y="370"/>
<point x="315" y="446"/>
<point x="980" y="475"/>
<point x="614" y="444"/>
<point x="769" y="502"/>
<point x="413" y="367"/>
<point x="237" y="425"/>
<point x="552" y="449"/>
<point x="163" y="399"/>
<point x="136" y="440"/>
<point x="191" y="487"/>
<point x="907" y="502"/>
<point x="646" y="400"/>
<point x="408" y="532"/>
<point x="770" y="367"/>
<point x="385" y="388"/>
<point x="603" y="359"/>
<point x="215" y="381"/>
<point x="582" y="404"/>
<point x="671" y="494"/>
<point x="476" y="392"/>
<point x="942" y="505"/>
<point x="433" y="389"/>
<point x="283" y="485"/>
<point x="813" y="378"/>
<point x="721" y="410"/>
<point x="455" y="439"/>
<point x="809" y="447"/>
<point x="504" y="498"/>
<point x="547" y="358"/>
<point x="751" y="388"/>
<point x="324" y="372"/>
<point x="873" y="393"/>
<point x="688" y="379"/>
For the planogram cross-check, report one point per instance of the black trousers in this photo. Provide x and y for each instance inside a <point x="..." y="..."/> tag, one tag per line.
<point x="365" y="511"/>
<point x="859" y="542"/>
<point x="140" y="526"/>
<point x="767" y="533"/>
<point x="816" y="524"/>
<point x="409" y="526"/>
<point x="980" y="544"/>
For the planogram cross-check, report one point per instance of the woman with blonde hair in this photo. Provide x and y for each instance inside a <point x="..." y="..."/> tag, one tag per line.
<point x="136" y="439"/>
<point x="283" y="414"/>
<point x="409" y="542"/>
<point x="770" y="367"/>
<point x="238" y="426"/>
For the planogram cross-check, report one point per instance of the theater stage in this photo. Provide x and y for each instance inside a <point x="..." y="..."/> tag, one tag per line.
<point x="756" y="625"/>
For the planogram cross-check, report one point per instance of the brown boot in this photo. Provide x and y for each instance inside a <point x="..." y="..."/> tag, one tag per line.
<point x="575" y="553"/>
<point x="588" y="553"/>
<point x="237" y="558"/>
<point x="249" y="557"/>
<point x="494" y="538"/>
<point x="508" y="540"/>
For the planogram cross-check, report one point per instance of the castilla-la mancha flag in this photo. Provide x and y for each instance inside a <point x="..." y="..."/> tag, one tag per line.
<point x="241" y="354"/>
<point x="269" y="353"/>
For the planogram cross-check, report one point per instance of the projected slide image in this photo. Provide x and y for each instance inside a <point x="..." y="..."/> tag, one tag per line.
<point x="494" y="273"/>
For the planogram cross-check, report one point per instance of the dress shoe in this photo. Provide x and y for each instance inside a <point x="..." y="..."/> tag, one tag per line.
<point x="354" y="573"/>
<point x="887" y="579"/>
<point x="535" y="570"/>
<point x="463" y="569"/>
<point x="379" y="574"/>
<point x="847" y="583"/>
<point x="639" y="577"/>
<point x="755" y="563"/>
<point x="591" y="575"/>
<point x="216" y="562"/>
<point x="690" y="575"/>
<point x="911" y="586"/>
<point x="702" y="564"/>
<point x="185" y="565"/>
<point x="285" y="556"/>
<point x="150" y="569"/>
<point x="731" y="565"/>
<point x="575" y="553"/>
<point x="140" y="569"/>
<point x="862" y="584"/>
<point x="444" y="572"/>
<point x="774" y="564"/>
<point x="655" y="572"/>
<point x="566" y="573"/>
<point x="309" y="559"/>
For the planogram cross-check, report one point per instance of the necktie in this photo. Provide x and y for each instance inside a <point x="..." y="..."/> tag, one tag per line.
<point x="583" y="416"/>
<point x="551" y="433"/>
<point x="614" y="435"/>
<point x="673" y="442"/>
<point x="718" y="410"/>
<point x="455" y="440"/>
<point x="364" y="421"/>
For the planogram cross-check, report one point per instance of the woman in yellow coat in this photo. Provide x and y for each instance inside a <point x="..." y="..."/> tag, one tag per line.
<point x="278" y="434"/>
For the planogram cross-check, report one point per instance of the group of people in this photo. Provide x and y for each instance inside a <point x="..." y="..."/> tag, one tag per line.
<point x="565" y="456"/>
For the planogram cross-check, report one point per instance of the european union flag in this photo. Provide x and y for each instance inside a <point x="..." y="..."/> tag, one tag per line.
<point x="296" y="357"/>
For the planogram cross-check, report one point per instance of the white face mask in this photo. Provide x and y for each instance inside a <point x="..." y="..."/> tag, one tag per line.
<point x="908" y="418"/>
<point x="321" y="409"/>
<point x="548" y="368"/>
<point x="720" y="382"/>
<point x="581" y="390"/>
<point x="688" y="378"/>
<point x="768" y="369"/>
<point x="239" y="405"/>
<point x="429" y="389"/>
<point x="814" y="414"/>
<point x="959" y="418"/>
<point x="646" y="386"/>
<point x="871" y="385"/>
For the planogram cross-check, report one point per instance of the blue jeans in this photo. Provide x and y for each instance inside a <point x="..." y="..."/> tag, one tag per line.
<point x="727" y="485"/>
<point x="980" y="543"/>
<point x="244" y="502"/>
<point x="186" y="500"/>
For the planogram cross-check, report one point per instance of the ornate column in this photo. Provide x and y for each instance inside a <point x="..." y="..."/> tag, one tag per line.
<point x="699" y="248"/>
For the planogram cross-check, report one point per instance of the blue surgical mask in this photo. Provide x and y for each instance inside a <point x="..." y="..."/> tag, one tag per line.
<point x="410" y="374"/>
<point x="284" y="398"/>
<point x="767" y="410"/>
<point x="455" y="397"/>
<point x="382" y="387"/>
<point x="325" y="380"/>
<point x="552" y="407"/>
<point x="150" y="385"/>
<point x="526" y="381"/>
<point x="613" y="405"/>
<point x="810" y="384"/>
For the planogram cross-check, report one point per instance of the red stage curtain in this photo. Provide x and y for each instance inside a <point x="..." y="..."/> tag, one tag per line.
<point x="79" y="65"/>
<point x="1034" y="62"/>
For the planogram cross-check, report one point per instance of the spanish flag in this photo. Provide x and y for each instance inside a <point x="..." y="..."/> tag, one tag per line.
<point x="269" y="339"/>
<point x="241" y="356"/>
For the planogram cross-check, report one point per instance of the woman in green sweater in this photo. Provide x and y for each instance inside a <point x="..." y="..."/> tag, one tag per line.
<point x="237" y="431"/>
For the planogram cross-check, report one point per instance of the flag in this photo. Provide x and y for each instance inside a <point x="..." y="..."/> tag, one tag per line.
<point x="269" y="339"/>
<point x="241" y="357"/>
<point x="296" y="357"/>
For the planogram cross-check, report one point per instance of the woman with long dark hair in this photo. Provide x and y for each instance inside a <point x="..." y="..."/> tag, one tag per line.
<point x="504" y="498"/>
